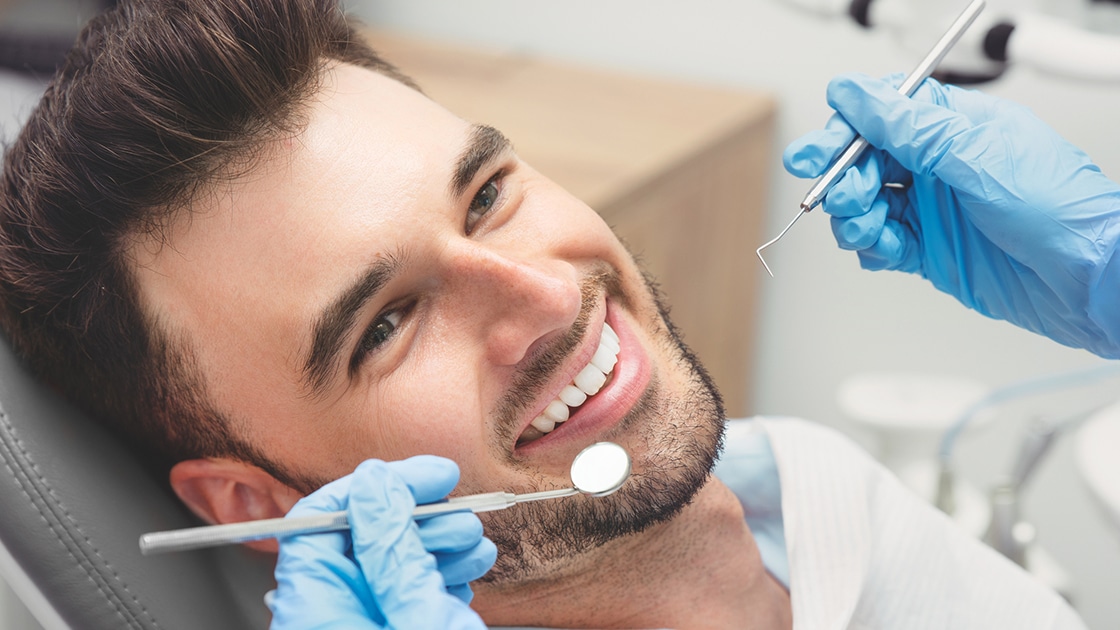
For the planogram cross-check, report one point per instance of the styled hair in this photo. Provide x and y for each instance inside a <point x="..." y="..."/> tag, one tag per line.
<point x="157" y="102"/>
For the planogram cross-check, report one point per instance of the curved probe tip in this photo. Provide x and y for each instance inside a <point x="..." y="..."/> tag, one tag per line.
<point x="758" y="252"/>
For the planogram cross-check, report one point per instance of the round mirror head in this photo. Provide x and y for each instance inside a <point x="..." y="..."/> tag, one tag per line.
<point x="600" y="469"/>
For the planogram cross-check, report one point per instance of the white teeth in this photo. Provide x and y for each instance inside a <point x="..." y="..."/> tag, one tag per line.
<point x="571" y="396"/>
<point x="604" y="359"/>
<point x="590" y="380"/>
<point x="610" y="333"/>
<point x="587" y="383"/>
<point x="556" y="411"/>
<point x="543" y="424"/>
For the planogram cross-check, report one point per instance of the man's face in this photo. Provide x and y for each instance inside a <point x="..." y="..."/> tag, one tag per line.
<point x="394" y="281"/>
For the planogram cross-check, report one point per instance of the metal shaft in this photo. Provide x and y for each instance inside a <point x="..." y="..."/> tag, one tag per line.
<point x="232" y="533"/>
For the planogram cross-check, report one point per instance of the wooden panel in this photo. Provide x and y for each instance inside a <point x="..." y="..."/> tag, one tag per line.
<point x="679" y="170"/>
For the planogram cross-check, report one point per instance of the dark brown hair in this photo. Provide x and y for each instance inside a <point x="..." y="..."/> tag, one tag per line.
<point x="158" y="100"/>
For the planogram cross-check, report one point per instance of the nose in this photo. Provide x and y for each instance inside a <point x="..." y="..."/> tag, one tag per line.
<point x="512" y="300"/>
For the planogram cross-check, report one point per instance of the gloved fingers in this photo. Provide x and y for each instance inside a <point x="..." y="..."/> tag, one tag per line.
<point x="856" y="189"/>
<point x="916" y="133"/>
<point x="317" y="582"/>
<point x="381" y="525"/>
<point x="315" y="576"/>
<point x="894" y="173"/>
<point x="467" y="566"/>
<point x="429" y="478"/>
<point x="330" y="498"/>
<point x="974" y="105"/>
<point x="457" y="531"/>
<point x="894" y="79"/>
<point x="861" y="231"/>
<point x="403" y="577"/>
<point x="461" y="591"/>
<point x="333" y="497"/>
<point x="810" y="155"/>
<point x="456" y="539"/>
<point x="897" y="249"/>
<point x="462" y="553"/>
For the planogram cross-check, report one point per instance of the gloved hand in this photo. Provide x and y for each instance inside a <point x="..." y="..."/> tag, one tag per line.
<point x="387" y="571"/>
<point x="999" y="210"/>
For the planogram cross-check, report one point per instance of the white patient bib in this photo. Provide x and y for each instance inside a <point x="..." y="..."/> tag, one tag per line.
<point x="865" y="552"/>
<point x="858" y="551"/>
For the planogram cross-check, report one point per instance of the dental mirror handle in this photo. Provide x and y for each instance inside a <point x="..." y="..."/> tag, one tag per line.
<point x="215" y="535"/>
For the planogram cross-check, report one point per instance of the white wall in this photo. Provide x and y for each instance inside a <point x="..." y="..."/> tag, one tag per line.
<point x="823" y="318"/>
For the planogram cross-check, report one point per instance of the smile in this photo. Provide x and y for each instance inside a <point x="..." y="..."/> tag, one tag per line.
<point x="588" y="382"/>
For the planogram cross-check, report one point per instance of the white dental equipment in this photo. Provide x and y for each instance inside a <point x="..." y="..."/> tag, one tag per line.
<point x="598" y="470"/>
<point x="1078" y="39"/>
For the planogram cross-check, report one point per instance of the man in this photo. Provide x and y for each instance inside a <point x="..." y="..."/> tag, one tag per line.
<point x="240" y="238"/>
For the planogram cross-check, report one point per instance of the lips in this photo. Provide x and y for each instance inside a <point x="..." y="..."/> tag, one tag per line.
<point x="587" y="383"/>
<point x="599" y="415"/>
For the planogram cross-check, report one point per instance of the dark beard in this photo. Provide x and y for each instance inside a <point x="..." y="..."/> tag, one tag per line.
<point x="683" y="437"/>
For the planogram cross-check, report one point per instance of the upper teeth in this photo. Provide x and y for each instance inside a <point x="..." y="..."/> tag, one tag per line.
<point x="587" y="383"/>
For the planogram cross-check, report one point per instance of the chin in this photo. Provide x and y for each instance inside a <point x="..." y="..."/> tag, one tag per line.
<point x="674" y="433"/>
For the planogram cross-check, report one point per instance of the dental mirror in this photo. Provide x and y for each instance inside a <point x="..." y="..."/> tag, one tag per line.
<point x="597" y="471"/>
<point x="600" y="469"/>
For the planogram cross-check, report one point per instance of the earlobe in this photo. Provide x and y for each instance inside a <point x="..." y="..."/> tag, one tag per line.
<point x="228" y="491"/>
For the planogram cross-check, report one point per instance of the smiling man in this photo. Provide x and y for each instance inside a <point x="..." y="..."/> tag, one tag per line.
<point x="393" y="281"/>
<point x="235" y="235"/>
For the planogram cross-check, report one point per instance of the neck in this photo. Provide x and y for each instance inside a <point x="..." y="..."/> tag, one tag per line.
<point x="704" y="559"/>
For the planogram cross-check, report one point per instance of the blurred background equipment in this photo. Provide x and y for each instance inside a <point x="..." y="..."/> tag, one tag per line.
<point x="916" y="422"/>
<point x="1098" y="463"/>
<point x="1078" y="39"/>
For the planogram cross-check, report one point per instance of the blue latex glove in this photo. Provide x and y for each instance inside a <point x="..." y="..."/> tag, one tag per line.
<point x="1000" y="211"/>
<point x="387" y="571"/>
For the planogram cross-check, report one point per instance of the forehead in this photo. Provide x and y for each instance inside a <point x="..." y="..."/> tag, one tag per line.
<point x="268" y="249"/>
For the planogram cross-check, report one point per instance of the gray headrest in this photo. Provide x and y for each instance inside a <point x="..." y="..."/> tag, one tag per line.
<point x="75" y="501"/>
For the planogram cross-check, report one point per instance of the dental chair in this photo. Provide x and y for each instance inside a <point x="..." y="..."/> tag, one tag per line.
<point x="73" y="503"/>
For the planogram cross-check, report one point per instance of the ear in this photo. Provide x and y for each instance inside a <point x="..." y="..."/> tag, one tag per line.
<point x="228" y="491"/>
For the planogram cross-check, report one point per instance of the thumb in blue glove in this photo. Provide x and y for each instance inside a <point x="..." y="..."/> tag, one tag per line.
<point x="387" y="571"/>
<point x="1000" y="211"/>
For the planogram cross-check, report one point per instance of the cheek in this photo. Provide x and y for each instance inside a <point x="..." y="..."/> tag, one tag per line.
<point x="429" y="407"/>
<point x="444" y="416"/>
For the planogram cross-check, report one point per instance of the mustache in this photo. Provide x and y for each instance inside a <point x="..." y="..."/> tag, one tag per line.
<point x="532" y="379"/>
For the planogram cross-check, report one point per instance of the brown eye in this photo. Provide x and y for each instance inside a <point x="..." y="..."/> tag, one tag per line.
<point x="378" y="333"/>
<point x="484" y="201"/>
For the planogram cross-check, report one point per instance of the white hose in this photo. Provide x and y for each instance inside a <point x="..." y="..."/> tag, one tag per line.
<point x="1056" y="47"/>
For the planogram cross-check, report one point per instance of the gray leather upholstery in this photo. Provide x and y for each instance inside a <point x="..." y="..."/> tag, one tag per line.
<point x="73" y="503"/>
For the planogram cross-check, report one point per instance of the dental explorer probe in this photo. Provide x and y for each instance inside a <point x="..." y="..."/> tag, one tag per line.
<point x="598" y="470"/>
<point x="859" y="144"/>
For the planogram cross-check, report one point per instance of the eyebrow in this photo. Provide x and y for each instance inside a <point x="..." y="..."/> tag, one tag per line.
<point x="484" y="146"/>
<point x="338" y="319"/>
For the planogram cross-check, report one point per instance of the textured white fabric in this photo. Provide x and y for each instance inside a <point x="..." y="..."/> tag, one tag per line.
<point x="864" y="552"/>
<point x="859" y="551"/>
